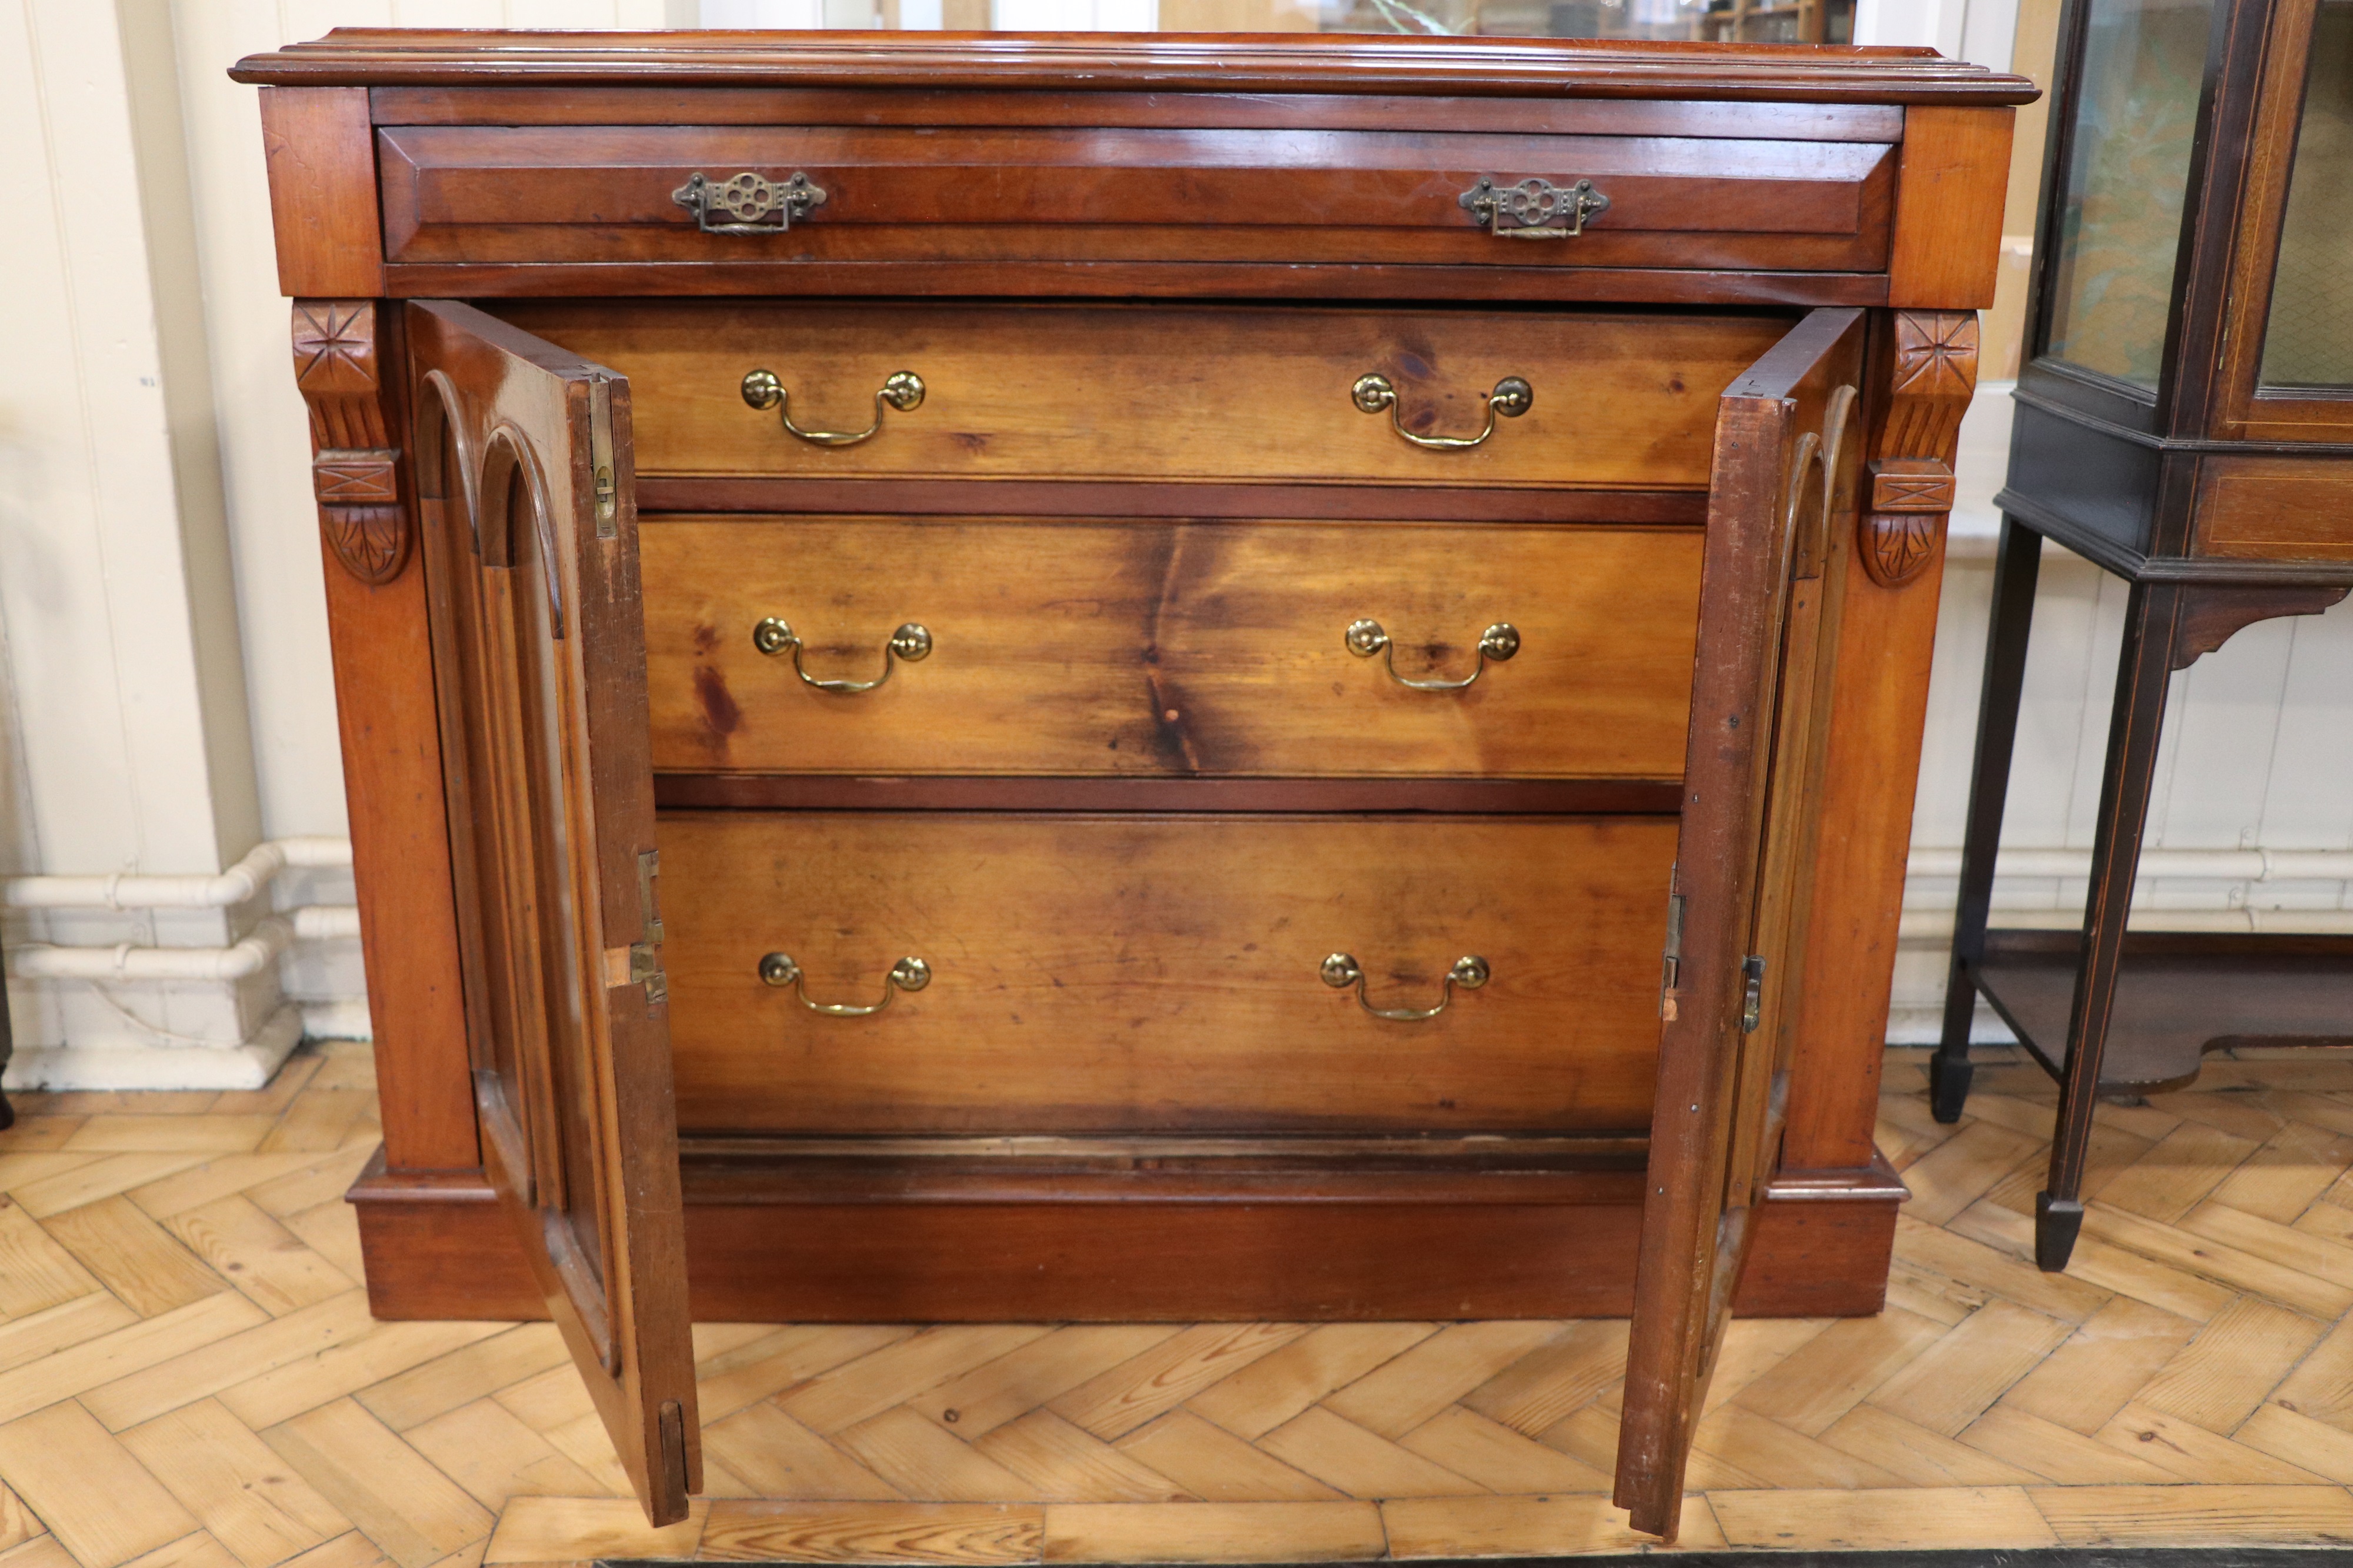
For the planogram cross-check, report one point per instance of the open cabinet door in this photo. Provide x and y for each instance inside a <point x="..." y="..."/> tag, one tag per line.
<point x="526" y="499"/>
<point x="1787" y="450"/>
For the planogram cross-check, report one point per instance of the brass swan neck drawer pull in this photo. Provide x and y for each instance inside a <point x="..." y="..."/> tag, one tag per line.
<point x="901" y="390"/>
<point x="1375" y="391"/>
<point x="758" y="206"/>
<point x="1341" y="971"/>
<point x="910" y="973"/>
<point x="1532" y="209"/>
<point x="1497" y="643"/>
<point x="911" y="643"/>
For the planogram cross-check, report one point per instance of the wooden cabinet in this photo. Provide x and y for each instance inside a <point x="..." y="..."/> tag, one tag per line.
<point x="1162" y="678"/>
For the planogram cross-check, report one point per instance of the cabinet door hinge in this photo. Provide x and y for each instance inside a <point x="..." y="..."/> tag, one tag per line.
<point x="1672" y="962"/>
<point x="600" y="458"/>
<point x="1752" y="993"/>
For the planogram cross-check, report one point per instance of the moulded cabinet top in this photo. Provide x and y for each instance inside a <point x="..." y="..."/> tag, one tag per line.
<point x="1224" y="63"/>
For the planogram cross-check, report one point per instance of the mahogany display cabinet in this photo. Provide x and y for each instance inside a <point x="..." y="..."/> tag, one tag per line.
<point x="1129" y="677"/>
<point x="2184" y="421"/>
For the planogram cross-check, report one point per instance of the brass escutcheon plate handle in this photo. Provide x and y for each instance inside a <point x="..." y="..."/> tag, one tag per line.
<point x="910" y="973"/>
<point x="911" y="643"/>
<point x="757" y="205"/>
<point x="902" y="389"/>
<point x="1497" y="644"/>
<point x="1532" y="209"/>
<point x="1341" y="971"/>
<point x="1374" y="393"/>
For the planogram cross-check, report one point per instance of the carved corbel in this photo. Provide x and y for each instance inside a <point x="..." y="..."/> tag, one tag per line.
<point x="354" y="466"/>
<point x="1934" y="375"/>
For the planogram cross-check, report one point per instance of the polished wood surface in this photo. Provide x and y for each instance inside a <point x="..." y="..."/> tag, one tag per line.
<point x="1955" y="164"/>
<point x="1095" y="973"/>
<point x="477" y="193"/>
<point x="323" y="191"/>
<point x="1877" y="712"/>
<point x="192" y="1362"/>
<point x="380" y="640"/>
<point x="1337" y="110"/>
<point x="1717" y="1078"/>
<point x="1453" y="796"/>
<point x="1162" y="62"/>
<point x="1210" y="392"/>
<point x="1133" y="647"/>
<point x="574" y="1084"/>
<point x="2275" y="509"/>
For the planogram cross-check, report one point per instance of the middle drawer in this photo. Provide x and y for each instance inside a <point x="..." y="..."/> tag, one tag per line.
<point x="1169" y="648"/>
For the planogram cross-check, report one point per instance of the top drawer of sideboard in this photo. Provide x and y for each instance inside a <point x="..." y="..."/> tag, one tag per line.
<point x="456" y="194"/>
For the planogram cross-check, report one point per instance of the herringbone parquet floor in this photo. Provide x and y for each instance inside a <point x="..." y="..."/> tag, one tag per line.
<point x="189" y="1377"/>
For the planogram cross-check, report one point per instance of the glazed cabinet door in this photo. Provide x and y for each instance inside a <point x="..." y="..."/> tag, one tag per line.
<point x="524" y="484"/>
<point x="1787" y="449"/>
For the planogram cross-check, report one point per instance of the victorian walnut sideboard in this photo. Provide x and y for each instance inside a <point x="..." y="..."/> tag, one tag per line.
<point x="1087" y="677"/>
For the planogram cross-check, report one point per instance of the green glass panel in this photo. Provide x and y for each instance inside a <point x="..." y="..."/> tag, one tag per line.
<point x="2128" y="174"/>
<point x="2309" y="340"/>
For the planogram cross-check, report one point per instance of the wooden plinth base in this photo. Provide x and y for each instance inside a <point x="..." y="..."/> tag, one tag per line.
<point x="437" y="1246"/>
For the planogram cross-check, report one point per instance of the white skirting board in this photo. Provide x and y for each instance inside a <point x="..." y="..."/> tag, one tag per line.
<point x="161" y="1065"/>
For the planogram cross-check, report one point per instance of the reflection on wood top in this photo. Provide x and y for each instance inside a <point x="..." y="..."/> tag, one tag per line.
<point x="367" y="57"/>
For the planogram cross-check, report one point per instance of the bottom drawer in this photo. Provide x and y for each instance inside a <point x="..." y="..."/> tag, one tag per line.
<point x="1134" y="973"/>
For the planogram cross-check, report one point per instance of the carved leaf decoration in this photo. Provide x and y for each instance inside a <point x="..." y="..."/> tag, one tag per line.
<point x="372" y="541"/>
<point x="1897" y="546"/>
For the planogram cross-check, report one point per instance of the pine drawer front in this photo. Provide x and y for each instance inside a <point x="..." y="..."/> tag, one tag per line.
<point x="1618" y="400"/>
<point x="1167" y="648"/>
<point x="591" y="193"/>
<point x="1100" y="973"/>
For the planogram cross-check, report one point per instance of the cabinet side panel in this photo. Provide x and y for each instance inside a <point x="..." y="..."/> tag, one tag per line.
<point x="349" y="362"/>
<point x="323" y="200"/>
<point x="1924" y="372"/>
<point x="1948" y="200"/>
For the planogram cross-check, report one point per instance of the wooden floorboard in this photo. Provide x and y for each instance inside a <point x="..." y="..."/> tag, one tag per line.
<point x="189" y="1377"/>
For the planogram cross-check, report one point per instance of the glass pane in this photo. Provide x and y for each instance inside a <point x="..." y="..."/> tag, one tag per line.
<point x="2309" y="341"/>
<point x="2127" y="173"/>
<point x="1738" y="21"/>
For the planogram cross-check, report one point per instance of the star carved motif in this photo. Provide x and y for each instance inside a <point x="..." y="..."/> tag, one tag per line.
<point x="335" y="345"/>
<point x="1935" y="353"/>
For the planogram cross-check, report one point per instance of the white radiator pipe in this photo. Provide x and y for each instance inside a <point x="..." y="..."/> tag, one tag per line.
<point x="1936" y="925"/>
<point x="243" y="882"/>
<point x="269" y="938"/>
<point x="2216" y="864"/>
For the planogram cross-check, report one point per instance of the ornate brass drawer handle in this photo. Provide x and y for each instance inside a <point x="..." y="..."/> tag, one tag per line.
<point x="750" y="200"/>
<point x="1341" y="971"/>
<point x="901" y="390"/>
<point x="910" y="973"/>
<point x="911" y="643"/>
<point x="1498" y="643"/>
<point x="1512" y="397"/>
<point x="1534" y="209"/>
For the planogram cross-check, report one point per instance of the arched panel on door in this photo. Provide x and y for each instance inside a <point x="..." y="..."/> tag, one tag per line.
<point x="543" y="690"/>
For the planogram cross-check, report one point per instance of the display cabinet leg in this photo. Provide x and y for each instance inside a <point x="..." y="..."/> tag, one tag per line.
<point x="2152" y="618"/>
<point x="2018" y="561"/>
<point x="2056" y="1223"/>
